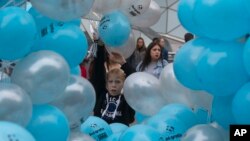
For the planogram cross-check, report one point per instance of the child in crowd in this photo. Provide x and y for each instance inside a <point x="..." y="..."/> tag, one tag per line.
<point x="112" y="106"/>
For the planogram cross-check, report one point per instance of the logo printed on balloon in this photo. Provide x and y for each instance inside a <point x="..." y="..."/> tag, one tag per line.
<point x="12" y="137"/>
<point x="103" y="21"/>
<point x="101" y="134"/>
<point x="135" y="8"/>
<point x="135" y="11"/>
<point x="171" y="130"/>
<point x="114" y="29"/>
<point x="50" y="28"/>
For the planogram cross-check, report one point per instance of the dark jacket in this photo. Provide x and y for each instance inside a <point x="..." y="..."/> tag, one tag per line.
<point x="114" y="109"/>
<point x="98" y="74"/>
<point x="137" y="57"/>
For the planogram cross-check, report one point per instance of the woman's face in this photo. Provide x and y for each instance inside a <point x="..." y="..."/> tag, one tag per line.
<point x="162" y="42"/>
<point x="155" y="53"/>
<point x="140" y="43"/>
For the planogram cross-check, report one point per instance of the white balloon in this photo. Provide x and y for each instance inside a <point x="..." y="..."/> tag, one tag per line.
<point x="224" y="133"/>
<point x="15" y="104"/>
<point x="127" y="49"/>
<point x="142" y="92"/>
<point x="104" y="6"/>
<point x="63" y="10"/>
<point x="134" y="8"/>
<point x="201" y="99"/>
<point x="78" y="136"/>
<point x="77" y="101"/>
<point x="203" y="132"/>
<point x="4" y="78"/>
<point x="149" y="17"/>
<point x="43" y="74"/>
<point x="174" y="92"/>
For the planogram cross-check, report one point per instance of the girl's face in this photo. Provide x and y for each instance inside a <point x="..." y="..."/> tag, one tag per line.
<point x="140" y="43"/>
<point x="155" y="53"/>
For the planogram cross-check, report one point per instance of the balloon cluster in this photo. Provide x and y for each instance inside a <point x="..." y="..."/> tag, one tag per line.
<point x="43" y="97"/>
<point x="117" y="19"/>
<point x="217" y="61"/>
<point x="44" y="93"/>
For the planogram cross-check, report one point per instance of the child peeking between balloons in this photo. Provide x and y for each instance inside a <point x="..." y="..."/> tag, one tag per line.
<point x="112" y="106"/>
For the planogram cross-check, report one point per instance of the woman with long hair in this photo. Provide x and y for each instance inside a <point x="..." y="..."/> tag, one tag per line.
<point x="138" y="54"/>
<point x="153" y="61"/>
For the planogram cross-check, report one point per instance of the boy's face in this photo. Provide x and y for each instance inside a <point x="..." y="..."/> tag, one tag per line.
<point x="114" y="85"/>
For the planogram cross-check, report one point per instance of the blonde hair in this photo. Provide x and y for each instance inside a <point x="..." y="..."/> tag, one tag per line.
<point x="116" y="71"/>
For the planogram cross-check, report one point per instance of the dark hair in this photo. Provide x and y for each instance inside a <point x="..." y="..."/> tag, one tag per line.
<point x="147" y="57"/>
<point x="155" y="40"/>
<point x="188" y="37"/>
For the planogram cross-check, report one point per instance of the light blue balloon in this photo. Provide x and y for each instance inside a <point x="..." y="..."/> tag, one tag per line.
<point x="241" y="103"/>
<point x="180" y="111"/>
<point x="76" y="71"/>
<point x="44" y="22"/>
<point x="97" y="128"/>
<point x="76" y="22"/>
<point x="114" y="29"/>
<point x="11" y="2"/>
<point x="185" y="63"/>
<point x="185" y="15"/>
<point x="171" y="128"/>
<point x="67" y="40"/>
<point x="222" y="111"/>
<point x="141" y="133"/>
<point x="48" y="124"/>
<point x="41" y="20"/>
<point x="3" y="2"/>
<point x="13" y="132"/>
<point x="17" y="32"/>
<point x="114" y="137"/>
<point x="221" y="19"/>
<point x="140" y="117"/>
<point x="246" y="56"/>
<point x="203" y="115"/>
<point x="118" y="127"/>
<point x="221" y="68"/>
<point x="247" y="3"/>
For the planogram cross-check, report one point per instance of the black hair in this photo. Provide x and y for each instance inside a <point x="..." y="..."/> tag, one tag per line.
<point x="147" y="59"/>
<point x="188" y="37"/>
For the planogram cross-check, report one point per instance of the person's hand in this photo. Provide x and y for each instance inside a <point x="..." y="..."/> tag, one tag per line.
<point x="117" y="58"/>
